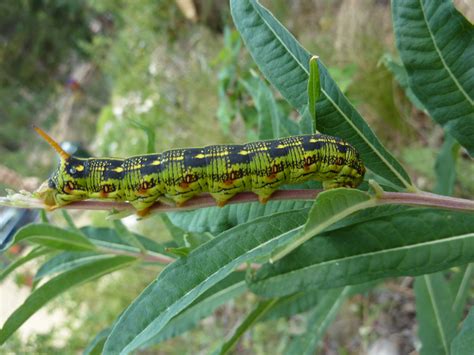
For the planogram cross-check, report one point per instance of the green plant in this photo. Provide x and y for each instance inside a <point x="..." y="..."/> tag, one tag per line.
<point x="300" y="255"/>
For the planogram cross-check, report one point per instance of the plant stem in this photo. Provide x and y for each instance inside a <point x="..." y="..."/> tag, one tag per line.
<point x="152" y="257"/>
<point x="427" y="199"/>
<point x="420" y="198"/>
<point x="164" y="259"/>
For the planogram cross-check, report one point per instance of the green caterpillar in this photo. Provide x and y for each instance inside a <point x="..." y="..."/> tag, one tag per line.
<point x="221" y="170"/>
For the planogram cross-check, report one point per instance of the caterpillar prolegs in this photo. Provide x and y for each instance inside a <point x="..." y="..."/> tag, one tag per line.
<point x="221" y="170"/>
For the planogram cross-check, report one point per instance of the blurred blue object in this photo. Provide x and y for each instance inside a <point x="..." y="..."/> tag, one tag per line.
<point x="12" y="219"/>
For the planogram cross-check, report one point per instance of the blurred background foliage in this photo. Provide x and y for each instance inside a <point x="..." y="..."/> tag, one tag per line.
<point x="89" y="70"/>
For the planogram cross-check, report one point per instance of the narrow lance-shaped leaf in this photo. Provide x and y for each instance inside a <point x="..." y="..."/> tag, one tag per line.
<point x="319" y="320"/>
<point x="414" y="242"/>
<point x="231" y="287"/>
<point x="436" y="45"/>
<point x="434" y="315"/>
<point x="97" y="344"/>
<point x="463" y="343"/>
<point x="285" y="63"/>
<point x="217" y="220"/>
<point x="257" y="313"/>
<point x="66" y="261"/>
<point x="461" y="286"/>
<point x="57" y="285"/>
<point x="294" y="304"/>
<point x="69" y="221"/>
<point x="401" y="76"/>
<point x="53" y="237"/>
<point x="35" y="253"/>
<point x="314" y="89"/>
<point x="183" y="281"/>
<point x="150" y="134"/>
<point x="109" y="238"/>
<point x="266" y="106"/>
<point x="127" y="236"/>
<point x="329" y="208"/>
<point x="445" y="166"/>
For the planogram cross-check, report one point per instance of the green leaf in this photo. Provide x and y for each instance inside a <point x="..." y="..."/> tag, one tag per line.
<point x="67" y="261"/>
<point x="267" y="109"/>
<point x="329" y="208"/>
<point x="127" y="236"/>
<point x="35" y="253"/>
<point x="303" y="301"/>
<point x="460" y="286"/>
<point x="414" y="242"/>
<point x="57" y="285"/>
<point x="150" y="134"/>
<point x="314" y="89"/>
<point x="284" y="62"/>
<point x="262" y="308"/>
<point x="227" y="289"/>
<point x="271" y="120"/>
<point x="97" y="344"/>
<point x="401" y="75"/>
<point x="436" y="47"/>
<point x="109" y="238"/>
<point x="176" y="233"/>
<point x="68" y="219"/>
<point x="318" y="321"/>
<point x="183" y="281"/>
<point x="463" y="343"/>
<point x="216" y="220"/>
<point x="180" y="251"/>
<point x="445" y="166"/>
<point x="294" y="304"/>
<point x="53" y="237"/>
<point x="433" y="313"/>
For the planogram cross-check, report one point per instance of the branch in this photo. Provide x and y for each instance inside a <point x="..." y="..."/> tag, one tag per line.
<point x="426" y="199"/>
<point x="164" y="259"/>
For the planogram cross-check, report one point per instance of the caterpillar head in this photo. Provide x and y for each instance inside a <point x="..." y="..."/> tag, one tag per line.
<point x="67" y="183"/>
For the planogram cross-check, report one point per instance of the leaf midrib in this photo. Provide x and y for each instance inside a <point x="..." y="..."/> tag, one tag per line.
<point x="397" y="174"/>
<point x="438" y="51"/>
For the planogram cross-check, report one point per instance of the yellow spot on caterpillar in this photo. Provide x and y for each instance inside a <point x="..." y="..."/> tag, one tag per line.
<point x="281" y="146"/>
<point x="79" y="167"/>
<point x="243" y="152"/>
<point x="177" y="158"/>
<point x="312" y="140"/>
<point x="118" y="169"/>
<point x="200" y="156"/>
<point x="138" y="166"/>
<point x="156" y="162"/>
<point x="222" y="154"/>
<point x="262" y="148"/>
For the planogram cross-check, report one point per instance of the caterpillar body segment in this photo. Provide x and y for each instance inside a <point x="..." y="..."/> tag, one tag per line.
<point x="222" y="170"/>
